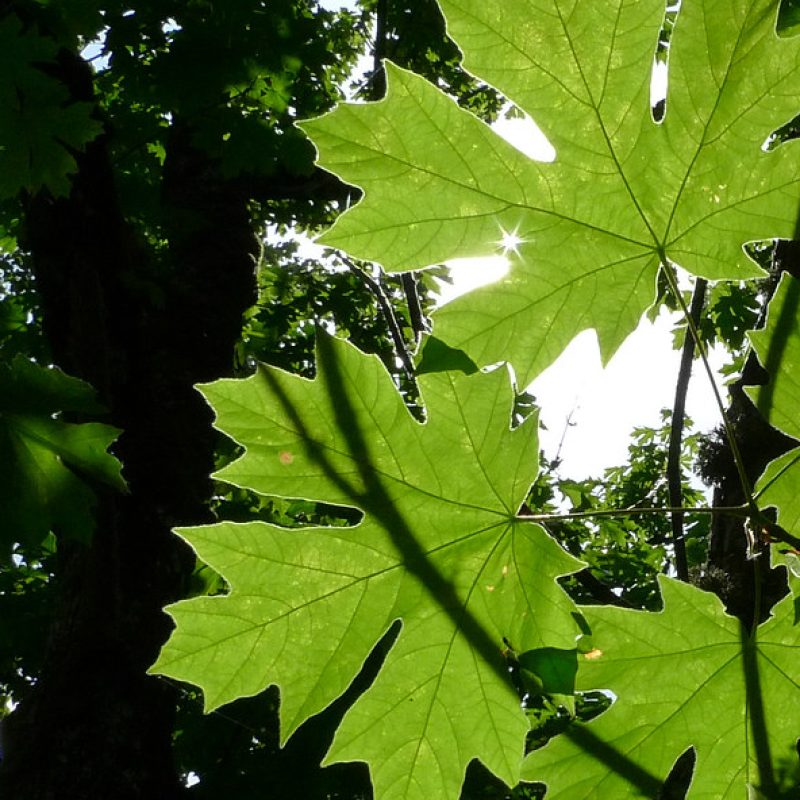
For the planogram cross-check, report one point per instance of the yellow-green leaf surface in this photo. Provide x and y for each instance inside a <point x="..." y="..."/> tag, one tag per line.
<point x="439" y="548"/>
<point x="624" y="193"/>
<point x="778" y="350"/>
<point x="684" y="677"/>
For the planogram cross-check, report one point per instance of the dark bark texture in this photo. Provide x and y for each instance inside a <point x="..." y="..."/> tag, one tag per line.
<point x="732" y="570"/>
<point x="96" y="726"/>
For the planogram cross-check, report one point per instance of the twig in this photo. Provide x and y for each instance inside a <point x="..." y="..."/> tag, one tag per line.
<point x="674" y="472"/>
<point x="554" y="464"/>
<point x="418" y="323"/>
<point x="377" y="90"/>
<point x="736" y="511"/>
<point x="388" y="314"/>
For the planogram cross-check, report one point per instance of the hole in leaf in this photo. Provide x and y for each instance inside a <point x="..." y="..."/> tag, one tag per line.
<point x="659" y="74"/>
<point x="480" y="784"/>
<point x="788" y="19"/>
<point x="522" y="133"/>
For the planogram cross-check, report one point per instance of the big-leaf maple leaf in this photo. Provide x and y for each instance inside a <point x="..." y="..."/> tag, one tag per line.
<point x="778" y="350"/>
<point x="688" y="676"/>
<point x="624" y="194"/>
<point x="440" y="548"/>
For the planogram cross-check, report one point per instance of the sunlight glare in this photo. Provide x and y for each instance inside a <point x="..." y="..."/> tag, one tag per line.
<point x="510" y="241"/>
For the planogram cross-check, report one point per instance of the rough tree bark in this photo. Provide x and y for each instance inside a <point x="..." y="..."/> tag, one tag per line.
<point x="95" y="725"/>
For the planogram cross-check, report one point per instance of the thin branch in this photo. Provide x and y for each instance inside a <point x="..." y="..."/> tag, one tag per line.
<point x="736" y="511"/>
<point x="555" y="463"/>
<point x="418" y="323"/>
<point x="377" y="90"/>
<point x="388" y="315"/>
<point x="674" y="471"/>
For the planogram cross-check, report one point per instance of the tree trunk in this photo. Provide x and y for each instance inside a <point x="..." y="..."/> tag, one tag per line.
<point x="95" y="725"/>
<point x="731" y="573"/>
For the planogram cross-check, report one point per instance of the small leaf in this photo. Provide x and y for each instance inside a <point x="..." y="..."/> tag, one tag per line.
<point x="40" y="127"/>
<point x="555" y="669"/>
<point x="42" y="458"/>
<point x="438" y="356"/>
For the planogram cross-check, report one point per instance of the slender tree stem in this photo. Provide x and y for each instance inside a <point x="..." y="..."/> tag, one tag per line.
<point x="388" y="314"/>
<point x="377" y="88"/>
<point x="674" y="471"/>
<point x="730" y="434"/>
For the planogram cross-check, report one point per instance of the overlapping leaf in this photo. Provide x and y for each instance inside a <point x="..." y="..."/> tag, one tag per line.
<point x="688" y="676"/>
<point x="439" y="548"/>
<point x="624" y="193"/>
<point x="778" y="350"/>
<point x="43" y="458"/>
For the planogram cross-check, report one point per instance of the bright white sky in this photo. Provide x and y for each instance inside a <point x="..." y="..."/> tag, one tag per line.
<point x="604" y="405"/>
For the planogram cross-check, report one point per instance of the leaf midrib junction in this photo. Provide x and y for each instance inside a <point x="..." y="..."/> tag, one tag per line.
<point x="215" y="599"/>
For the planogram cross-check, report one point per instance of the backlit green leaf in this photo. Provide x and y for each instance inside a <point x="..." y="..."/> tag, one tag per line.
<point x="440" y="548"/>
<point x="688" y="676"/>
<point x="624" y="194"/>
<point x="778" y="350"/>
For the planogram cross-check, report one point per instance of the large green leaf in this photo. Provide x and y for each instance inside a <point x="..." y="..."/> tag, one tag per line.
<point x="440" y="548"/>
<point x="44" y="460"/>
<point x="624" y="194"/>
<point x="778" y="348"/>
<point x="688" y="676"/>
